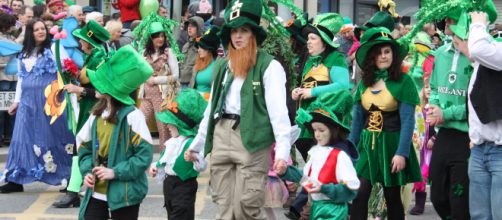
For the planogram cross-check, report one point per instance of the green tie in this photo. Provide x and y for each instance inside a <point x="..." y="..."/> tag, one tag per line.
<point x="223" y="95"/>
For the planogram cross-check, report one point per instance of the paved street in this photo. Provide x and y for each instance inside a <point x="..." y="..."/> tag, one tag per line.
<point x="35" y="203"/>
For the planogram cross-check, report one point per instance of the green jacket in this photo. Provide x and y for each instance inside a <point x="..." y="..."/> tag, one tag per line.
<point x="256" y="130"/>
<point x="449" y="86"/>
<point x="129" y="156"/>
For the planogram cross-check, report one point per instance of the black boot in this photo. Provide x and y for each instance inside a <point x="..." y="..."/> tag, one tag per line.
<point x="11" y="187"/>
<point x="292" y="214"/>
<point x="419" y="203"/>
<point x="70" y="199"/>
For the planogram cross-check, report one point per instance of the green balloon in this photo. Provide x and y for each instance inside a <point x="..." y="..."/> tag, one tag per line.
<point x="148" y="6"/>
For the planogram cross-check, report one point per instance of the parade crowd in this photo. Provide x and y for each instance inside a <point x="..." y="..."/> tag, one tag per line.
<point x="374" y="113"/>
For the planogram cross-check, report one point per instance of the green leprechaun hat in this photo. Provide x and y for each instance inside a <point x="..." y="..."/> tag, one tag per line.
<point x="331" y="108"/>
<point x="328" y="25"/>
<point x="121" y="75"/>
<point x="375" y="36"/>
<point x="93" y="33"/>
<point x="210" y="40"/>
<point x="185" y="112"/>
<point x="461" y="28"/>
<point x="155" y="27"/>
<point x="379" y="19"/>
<point x="243" y="12"/>
<point x="488" y="7"/>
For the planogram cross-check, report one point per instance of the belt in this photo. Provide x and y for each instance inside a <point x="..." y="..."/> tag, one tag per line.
<point x="235" y="117"/>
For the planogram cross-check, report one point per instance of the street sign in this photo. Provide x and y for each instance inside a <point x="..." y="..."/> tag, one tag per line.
<point x="6" y="99"/>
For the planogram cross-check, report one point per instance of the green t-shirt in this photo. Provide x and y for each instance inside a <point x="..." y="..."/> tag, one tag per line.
<point x="449" y="84"/>
<point x="203" y="79"/>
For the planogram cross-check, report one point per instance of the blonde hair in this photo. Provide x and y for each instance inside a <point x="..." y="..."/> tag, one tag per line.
<point x="113" y="25"/>
<point x="92" y="16"/>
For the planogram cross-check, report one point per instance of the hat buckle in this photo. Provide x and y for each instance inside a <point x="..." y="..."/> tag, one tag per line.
<point x="90" y="33"/>
<point x="384" y="34"/>
<point x="236" y="10"/>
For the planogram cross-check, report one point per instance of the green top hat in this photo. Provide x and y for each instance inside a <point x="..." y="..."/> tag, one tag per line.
<point x="379" y="19"/>
<point x="488" y="7"/>
<point x="243" y="12"/>
<point x="210" y="40"/>
<point x="328" y="25"/>
<point x="185" y="112"/>
<point x="330" y="108"/>
<point x="461" y="28"/>
<point x="93" y="33"/>
<point x="155" y="27"/>
<point x="375" y="36"/>
<point x="295" y="28"/>
<point x="121" y="75"/>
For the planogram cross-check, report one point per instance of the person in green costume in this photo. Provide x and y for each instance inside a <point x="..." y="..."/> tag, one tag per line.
<point x="182" y="116"/>
<point x="325" y="69"/>
<point x="115" y="146"/>
<point x="95" y="47"/>
<point x="383" y="123"/>
<point x="329" y="175"/>
<point x="207" y="52"/>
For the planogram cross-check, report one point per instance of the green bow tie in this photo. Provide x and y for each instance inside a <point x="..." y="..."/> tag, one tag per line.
<point x="315" y="60"/>
<point x="381" y="74"/>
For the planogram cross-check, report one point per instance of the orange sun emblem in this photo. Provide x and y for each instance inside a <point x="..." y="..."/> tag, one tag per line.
<point x="54" y="107"/>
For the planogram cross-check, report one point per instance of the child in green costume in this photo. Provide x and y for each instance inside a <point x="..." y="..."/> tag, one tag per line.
<point x="115" y="146"/>
<point x="329" y="175"/>
<point x="182" y="117"/>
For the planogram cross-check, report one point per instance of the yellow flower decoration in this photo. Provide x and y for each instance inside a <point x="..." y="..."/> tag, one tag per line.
<point x="53" y="106"/>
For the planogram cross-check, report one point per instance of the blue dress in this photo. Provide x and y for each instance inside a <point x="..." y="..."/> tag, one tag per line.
<point x="39" y="151"/>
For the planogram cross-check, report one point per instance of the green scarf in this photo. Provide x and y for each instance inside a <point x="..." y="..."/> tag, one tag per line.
<point x="315" y="60"/>
<point x="381" y="74"/>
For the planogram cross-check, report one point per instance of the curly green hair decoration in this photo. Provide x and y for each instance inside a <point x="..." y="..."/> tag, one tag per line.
<point x="142" y="33"/>
<point x="434" y="10"/>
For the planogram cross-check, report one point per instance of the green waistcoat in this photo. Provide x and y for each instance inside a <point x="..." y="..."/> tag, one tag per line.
<point x="256" y="130"/>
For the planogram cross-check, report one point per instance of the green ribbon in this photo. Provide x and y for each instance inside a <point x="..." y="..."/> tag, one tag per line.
<point x="381" y="74"/>
<point x="315" y="60"/>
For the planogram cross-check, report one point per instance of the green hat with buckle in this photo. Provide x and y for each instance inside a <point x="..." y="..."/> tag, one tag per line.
<point x="333" y="108"/>
<point x="243" y="12"/>
<point x="121" y="75"/>
<point x="185" y="112"/>
<point x="210" y="40"/>
<point x="93" y="33"/>
<point x="379" y="19"/>
<point x="375" y="36"/>
<point x="328" y="25"/>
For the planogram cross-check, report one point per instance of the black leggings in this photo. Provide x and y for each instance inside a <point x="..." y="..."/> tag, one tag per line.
<point x="98" y="210"/>
<point x="359" y="208"/>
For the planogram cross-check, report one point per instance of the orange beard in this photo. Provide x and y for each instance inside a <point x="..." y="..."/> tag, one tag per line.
<point x="202" y="63"/>
<point x="241" y="60"/>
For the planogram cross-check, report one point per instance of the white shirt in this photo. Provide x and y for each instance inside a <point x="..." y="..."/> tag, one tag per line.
<point x="345" y="171"/>
<point x="488" y="53"/>
<point x="274" y="83"/>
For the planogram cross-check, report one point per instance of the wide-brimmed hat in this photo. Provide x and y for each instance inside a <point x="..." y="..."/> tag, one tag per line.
<point x="333" y="108"/>
<point x="379" y="19"/>
<point x="375" y="36"/>
<point x="185" y="112"/>
<point x="243" y="12"/>
<point x="210" y="40"/>
<point x="327" y="25"/>
<point x="93" y="33"/>
<point x="121" y="75"/>
<point x="296" y="26"/>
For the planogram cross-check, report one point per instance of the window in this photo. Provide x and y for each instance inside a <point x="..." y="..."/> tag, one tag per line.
<point x="324" y="6"/>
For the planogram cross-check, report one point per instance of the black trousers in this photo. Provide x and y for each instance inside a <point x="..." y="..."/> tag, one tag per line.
<point x="98" y="210"/>
<point x="359" y="208"/>
<point x="179" y="197"/>
<point x="448" y="174"/>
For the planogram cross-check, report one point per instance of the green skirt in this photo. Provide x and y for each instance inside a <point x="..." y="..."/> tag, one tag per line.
<point x="324" y="210"/>
<point x="375" y="160"/>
